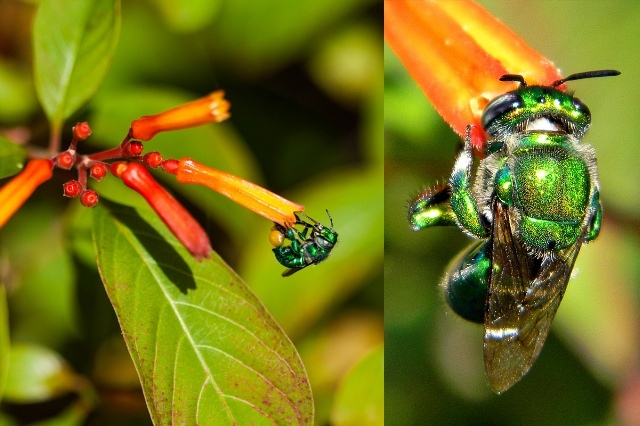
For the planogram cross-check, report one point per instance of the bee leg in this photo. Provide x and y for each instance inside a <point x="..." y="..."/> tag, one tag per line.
<point x="431" y="208"/>
<point x="596" y="221"/>
<point x="466" y="283"/>
<point x="290" y="255"/>
<point x="462" y="202"/>
<point x="307" y="226"/>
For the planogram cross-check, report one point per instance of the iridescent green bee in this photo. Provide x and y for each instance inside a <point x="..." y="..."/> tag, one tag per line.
<point x="302" y="250"/>
<point x="533" y="203"/>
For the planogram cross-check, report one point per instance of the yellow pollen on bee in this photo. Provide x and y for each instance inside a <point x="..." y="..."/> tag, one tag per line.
<point x="276" y="238"/>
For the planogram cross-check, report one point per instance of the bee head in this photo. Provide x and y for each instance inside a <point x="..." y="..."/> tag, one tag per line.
<point x="539" y="108"/>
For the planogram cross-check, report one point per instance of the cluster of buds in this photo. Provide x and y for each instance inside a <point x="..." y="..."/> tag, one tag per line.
<point x="128" y="163"/>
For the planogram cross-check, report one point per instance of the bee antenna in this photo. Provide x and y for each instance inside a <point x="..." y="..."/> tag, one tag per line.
<point x="587" y="74"/>
<point x="330" y="218"/>
<point x="514" y="77"/>
<point x="310" y="218"/>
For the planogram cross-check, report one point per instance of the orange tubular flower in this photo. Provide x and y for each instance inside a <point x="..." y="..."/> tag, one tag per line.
<point x="247" y="194"/>
<point x="212" y="108"/>
<point x="456" y="51"/>
<point x="19" y="189"/>
<point x="186" y="229"/>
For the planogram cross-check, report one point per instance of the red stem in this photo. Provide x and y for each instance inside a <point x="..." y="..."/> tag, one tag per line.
<point x="109" y="154"/>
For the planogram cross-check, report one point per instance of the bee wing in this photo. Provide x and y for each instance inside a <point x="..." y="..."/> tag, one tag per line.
<point x="524" y="295"/>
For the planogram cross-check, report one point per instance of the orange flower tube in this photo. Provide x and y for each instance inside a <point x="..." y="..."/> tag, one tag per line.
<point x="186" y="229"/>
<point x="212" y="108"/>
<point x="19" y="189"/>
<point x="262" y="201"/>
<point x="456" y="51"/>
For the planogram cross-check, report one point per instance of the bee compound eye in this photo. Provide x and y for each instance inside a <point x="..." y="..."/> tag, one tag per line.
<point x="501" y="106"/>
<point x="579" y="106"/>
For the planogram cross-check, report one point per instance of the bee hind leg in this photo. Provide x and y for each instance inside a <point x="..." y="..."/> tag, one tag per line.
<point x="466" y="283"/>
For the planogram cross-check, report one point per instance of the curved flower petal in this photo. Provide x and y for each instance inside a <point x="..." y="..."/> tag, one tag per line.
<point x="262" y="201"/>
<point x="186" y="229"/>
<point x="456" y="51"/>
<point x="19" y="189"/>
<point x="212" y="108"/>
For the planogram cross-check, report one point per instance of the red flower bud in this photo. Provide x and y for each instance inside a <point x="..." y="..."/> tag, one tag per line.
<point x="98" y="171"/>
<point x="212" y="108"/>
<point x="82" y="131"/>
<point x="18" y="190"/>
<point x="186" y="229"/>
<point x="65" y="160"/>
<point x="71" y="189"/>
<point x="133" y="149"/>
<point x="260" y="200"/>
<point x="89" y="198"/>
<point x="152" y="159"/>
<point x="117" y="168"/>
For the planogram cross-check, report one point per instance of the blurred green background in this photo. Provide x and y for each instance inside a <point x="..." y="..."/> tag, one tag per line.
<point x="305" y="84"/>
<point x="588" y="370"/>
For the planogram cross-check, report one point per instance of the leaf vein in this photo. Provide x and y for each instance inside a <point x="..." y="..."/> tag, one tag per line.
<point x="243" y="328"/>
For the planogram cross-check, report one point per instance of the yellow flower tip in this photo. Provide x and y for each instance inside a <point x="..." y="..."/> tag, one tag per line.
<point x="19" y="189"/>
<point x="218" y="106"/>
<point x="212" y="108"/>
<point x="249" y="195"/>
<point x="456" y="51"/>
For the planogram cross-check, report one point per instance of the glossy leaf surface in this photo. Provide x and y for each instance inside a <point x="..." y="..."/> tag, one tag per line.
<point x="36" y="374"/>
<point x="205" y="348"/>
<point x="73" y="42"/>
<point x="11" y="158"/>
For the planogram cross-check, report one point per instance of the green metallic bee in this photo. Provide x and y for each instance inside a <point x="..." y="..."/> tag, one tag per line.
<point x="533" y="203"/>
<point x="302" y="250"/>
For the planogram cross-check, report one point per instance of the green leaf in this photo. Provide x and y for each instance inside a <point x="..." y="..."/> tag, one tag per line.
<point x="187" y="15"/>
<point x="255" y="36"/>
<point x="206" y="349"/>
<point x="360" y="397"/>
<point x="37" y="374"/>
<point x="43" y="282"/>
<point x="12" y="158"/>
<point x="73" y="42"/>
<point x="17" y="92"/>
